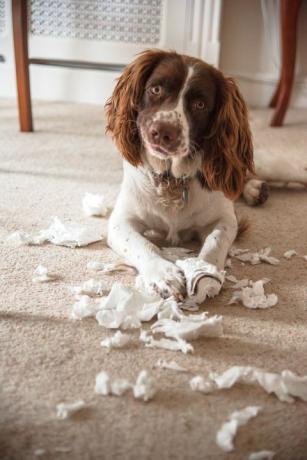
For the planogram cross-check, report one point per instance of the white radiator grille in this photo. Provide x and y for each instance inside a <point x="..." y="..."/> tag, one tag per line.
<point x="2" y="17"/>
<point x="131" y="21"/>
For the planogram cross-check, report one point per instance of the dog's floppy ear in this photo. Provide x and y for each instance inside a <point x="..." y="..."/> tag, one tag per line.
<point x="122" y="108"/>
<point x="228" y="148"/>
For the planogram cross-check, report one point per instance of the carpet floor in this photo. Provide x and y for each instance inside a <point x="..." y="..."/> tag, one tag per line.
<point x="46" y="358"/>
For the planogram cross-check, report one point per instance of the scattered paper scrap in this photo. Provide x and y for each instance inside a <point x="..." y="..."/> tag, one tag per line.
<point x="84" y="307"/>
<point x="167" y="344"/>
<point x="41" y="275"/>
<point x="254" y="296"/>
<point x="145" y="387"/>
<point x="290" y="253"/>
<point x="104" y="386"/>
<point x="190" y="328"/>
<point x="71" y="235"/>
<point x="227" y="432"/>
<point x="171" y="365"/>
<point x="198" y="383"/>
<point x="90" y="288"/>
<point x="39" y="452"/>
<point x="109" y="268"/>
<point x="118" y="340"/>
<point x="94" y="205"/>
<point x="65" y="410"/>
<point x="262" y="455"/>
<point x="254" y="258"/>
<point x="285" y="385"/>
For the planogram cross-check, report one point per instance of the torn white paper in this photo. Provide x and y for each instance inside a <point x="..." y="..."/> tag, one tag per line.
<point x="167" y="344"/>
<point x="202" y="279"/>
<point x="65" y="410"/>
<point x="198" y="383"/>
<point x="233" y="252"/>
<point x="290" y="253"/>
<point x="226" y="434"/>
<point x="171" y="365"/>
<point x="70" y="235"/>
<point x="284" y="385"/>
<point x="84" y="307"/>
<point x="190" y="328"/>
<point x="145" y="387"/>
<point x="254" y="296"/>
<point x="94" y="205"/>
<point x="262" y="455"/>
<point x="254" y="258"/>
<point x="41" y="275"/>
<point x="105" y="387"/>
<point x="125" y="308"/>
<point x="109" y="268"/>
<point x="90" y="288"/>
<point x="118" y="340"/>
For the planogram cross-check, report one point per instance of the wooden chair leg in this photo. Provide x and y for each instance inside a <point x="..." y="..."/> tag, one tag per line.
<point x="275" y="96"/>
<point x="289" y="14"/>
<point x="20" y="33"/>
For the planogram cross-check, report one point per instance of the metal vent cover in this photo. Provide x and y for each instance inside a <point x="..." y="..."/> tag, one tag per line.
<point x="2" y="17"/>
<point x="130" y="21"/>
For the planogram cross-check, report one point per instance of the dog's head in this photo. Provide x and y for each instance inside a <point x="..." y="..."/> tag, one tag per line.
<point x="177" y="106"/>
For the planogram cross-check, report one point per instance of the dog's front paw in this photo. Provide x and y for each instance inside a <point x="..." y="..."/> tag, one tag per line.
<point x="164" y="278"/>
<point x="206" y="287"/>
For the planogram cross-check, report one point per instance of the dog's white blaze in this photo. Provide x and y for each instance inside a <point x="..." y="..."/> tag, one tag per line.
<point x="178" y="114"/>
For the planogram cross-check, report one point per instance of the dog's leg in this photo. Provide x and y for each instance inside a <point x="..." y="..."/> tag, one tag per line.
<point x="159" y="275"/>
<point x="255" y="192"/>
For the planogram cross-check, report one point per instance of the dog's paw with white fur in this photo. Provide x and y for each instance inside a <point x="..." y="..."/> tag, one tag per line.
<point x="164" y="278"/>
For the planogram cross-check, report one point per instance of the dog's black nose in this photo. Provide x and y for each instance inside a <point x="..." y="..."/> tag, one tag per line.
<point x="164" y="134"/>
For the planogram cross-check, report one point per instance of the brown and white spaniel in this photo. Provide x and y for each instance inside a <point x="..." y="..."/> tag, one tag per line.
<point x="182" y="129"/>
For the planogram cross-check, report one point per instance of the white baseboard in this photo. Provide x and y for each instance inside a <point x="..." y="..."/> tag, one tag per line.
<point x="258" y="88"/>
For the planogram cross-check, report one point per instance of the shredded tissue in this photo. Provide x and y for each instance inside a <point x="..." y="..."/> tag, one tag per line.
<point x="65" y="410"/>
<point x="41" y="275"/>
<point x="253" y="296"/>
<point x="94" y="205"/>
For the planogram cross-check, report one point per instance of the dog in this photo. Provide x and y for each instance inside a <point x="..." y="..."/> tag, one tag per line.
<point x="182" y="129"/>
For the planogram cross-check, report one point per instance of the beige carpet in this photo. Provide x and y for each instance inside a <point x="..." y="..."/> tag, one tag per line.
<point x="46" y="358"/>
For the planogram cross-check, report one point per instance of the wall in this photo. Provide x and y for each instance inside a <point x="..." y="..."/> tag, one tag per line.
<point x="250" y="52"/>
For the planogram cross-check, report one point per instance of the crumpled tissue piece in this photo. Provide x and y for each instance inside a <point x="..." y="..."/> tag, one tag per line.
<point x="41" y="275"/>
<point x="254" y="296"/>
<point x="90" y="288"/>
<point x="290" y="253"/>
<point x="126" y="307"/>
<point x="84" y="307"/>
<point x="262" y="455"/>
<point x="198" y="383"/>
<point x="167" y="344"/>
<point x="109" y="268"/>
<point x="65" y="410"/>
<point x="71" y="235"/>
<point x="190" y="327"/>
<point x="228" y="430"/>
<point x="94" y="205"/>
<point x="145" y="386"/>
<point x="285" y="385"/>
<point x="171" y="365"/>
<point x="254" y="258"/>
<point x="105" y="387"/>
<point x="202" y="279"/>
<point x="118" y="340"/>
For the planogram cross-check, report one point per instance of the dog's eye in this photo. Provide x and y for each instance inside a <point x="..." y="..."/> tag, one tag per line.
<point x="199" y="105"/>
<point x="156" y="90"/>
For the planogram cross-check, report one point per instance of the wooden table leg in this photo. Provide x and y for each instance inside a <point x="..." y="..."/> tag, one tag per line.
<point x="20" y="33"/>
<point x="289" y="15"/>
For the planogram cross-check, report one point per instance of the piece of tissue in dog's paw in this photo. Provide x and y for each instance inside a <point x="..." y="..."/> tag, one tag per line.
<point x="203" y="279"/>
<point x="94" y="205"/>
<point x="165" y="279"/>
<point x="206" y="287"/>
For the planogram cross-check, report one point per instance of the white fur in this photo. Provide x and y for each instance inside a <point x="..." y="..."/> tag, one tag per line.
<point x="137" y="209"/>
